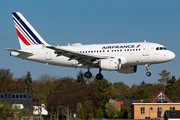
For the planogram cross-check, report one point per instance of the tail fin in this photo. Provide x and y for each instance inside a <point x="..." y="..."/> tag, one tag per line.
<point x="26" y="33"/>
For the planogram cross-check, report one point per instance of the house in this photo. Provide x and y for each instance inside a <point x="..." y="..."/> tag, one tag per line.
<point x="172" y="115"/>
<point x="156" y="109"/>
<point x="19" y="99"/>
<point x="39" y="108"/>
<point x="159" y="97"/>
<point x="151" y="110"/>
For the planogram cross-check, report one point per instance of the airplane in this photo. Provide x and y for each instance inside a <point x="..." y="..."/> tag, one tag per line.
<point x="121" y="57"/>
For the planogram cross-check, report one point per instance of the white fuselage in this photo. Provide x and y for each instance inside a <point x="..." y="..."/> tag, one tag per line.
<point x="131" y="53"/>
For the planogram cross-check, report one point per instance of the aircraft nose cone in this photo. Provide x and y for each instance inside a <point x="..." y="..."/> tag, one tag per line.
<point x="172" y="56"/>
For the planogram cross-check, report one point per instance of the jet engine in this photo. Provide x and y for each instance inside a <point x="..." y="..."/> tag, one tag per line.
<point x="128" y="69"/>
<point x="111" y="64"/>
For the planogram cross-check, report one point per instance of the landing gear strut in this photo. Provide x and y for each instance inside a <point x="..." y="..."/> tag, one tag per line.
<point x="99" y="76"/>
<point x="147" y="68"/>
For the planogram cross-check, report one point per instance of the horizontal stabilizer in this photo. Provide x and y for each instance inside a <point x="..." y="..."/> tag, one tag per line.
<point x="21" y="51"/>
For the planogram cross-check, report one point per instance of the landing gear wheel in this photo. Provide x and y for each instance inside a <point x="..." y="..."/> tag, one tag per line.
<point x="99" y="76"/>
<point x="148" y="74"/>
<point x="88" y="74"/>
<point x="147" y="68"/>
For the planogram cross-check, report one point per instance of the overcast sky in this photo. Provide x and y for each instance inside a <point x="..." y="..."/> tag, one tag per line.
<point x="93" y="22"/>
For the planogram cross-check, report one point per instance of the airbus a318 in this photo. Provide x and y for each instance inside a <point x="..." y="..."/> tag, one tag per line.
<point x="121" y="57"/>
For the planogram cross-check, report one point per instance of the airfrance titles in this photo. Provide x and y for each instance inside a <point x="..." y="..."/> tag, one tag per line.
<point x="117" y="46"/>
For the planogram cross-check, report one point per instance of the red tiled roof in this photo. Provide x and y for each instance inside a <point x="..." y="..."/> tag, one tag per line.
<point x="154" y="96"/>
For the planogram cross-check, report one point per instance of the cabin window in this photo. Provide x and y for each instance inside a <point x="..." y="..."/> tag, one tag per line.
<point x="107" y="50"/>
<point x="103" y="50"/>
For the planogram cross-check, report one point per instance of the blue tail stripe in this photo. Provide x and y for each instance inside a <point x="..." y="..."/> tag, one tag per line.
<point x="24" y="31"/>
<point x="27" y="28"/>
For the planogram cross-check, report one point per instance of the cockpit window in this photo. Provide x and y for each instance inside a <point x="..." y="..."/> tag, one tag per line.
<point x="161" y="48"/>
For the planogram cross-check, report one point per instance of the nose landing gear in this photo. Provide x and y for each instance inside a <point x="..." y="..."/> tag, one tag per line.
<point x="147" y="68"/>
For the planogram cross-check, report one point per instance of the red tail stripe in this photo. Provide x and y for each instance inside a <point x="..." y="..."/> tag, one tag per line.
<point x="22" y="37"/>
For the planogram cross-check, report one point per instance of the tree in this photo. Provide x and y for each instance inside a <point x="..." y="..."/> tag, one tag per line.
<point x="125" y="113"/>
<point x="165" y="76"/>
<point x="99" y="113"/>
<point x="80" y="78"/>
<point x="141" y="94"/>
<point x="6" y="111"/>
<point x="82" y="113"/>
<point x="112" y="108"/>
<point x="105" y="92"/>
<point x="28" y="82"/>
<point x="71" y="94"/>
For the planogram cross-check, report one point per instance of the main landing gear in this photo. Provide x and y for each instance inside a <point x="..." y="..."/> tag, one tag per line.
<point x="99" y="76"/>
<point x="88" y="74"/>
<point x="147" y="68"/>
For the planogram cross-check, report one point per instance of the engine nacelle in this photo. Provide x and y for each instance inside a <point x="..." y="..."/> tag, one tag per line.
<point x="110" y="64"/>
<point x="128" y="69"/>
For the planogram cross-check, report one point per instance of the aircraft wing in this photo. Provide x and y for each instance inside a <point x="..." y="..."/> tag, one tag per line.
<point x="81" y="57"/>
<point x="21" y="51"/>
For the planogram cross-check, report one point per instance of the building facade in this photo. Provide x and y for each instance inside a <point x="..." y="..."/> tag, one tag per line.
<point x="22" y="99"/>
<point x="151" y="110"/>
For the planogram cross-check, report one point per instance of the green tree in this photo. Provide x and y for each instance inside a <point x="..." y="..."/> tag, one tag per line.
<point x="105" y="91"/>
<point x="169" y="87"/>
<point x="6" y="111"/>
<point x="28" y="82"/>
<point x="99" y="113"/>
<point x="125" y="113"/>
<point x="82" y="113"/>
<point x="141" y="94"/>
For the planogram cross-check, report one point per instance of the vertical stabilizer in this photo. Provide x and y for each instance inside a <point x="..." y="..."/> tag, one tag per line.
<point x="27" y="35"/>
